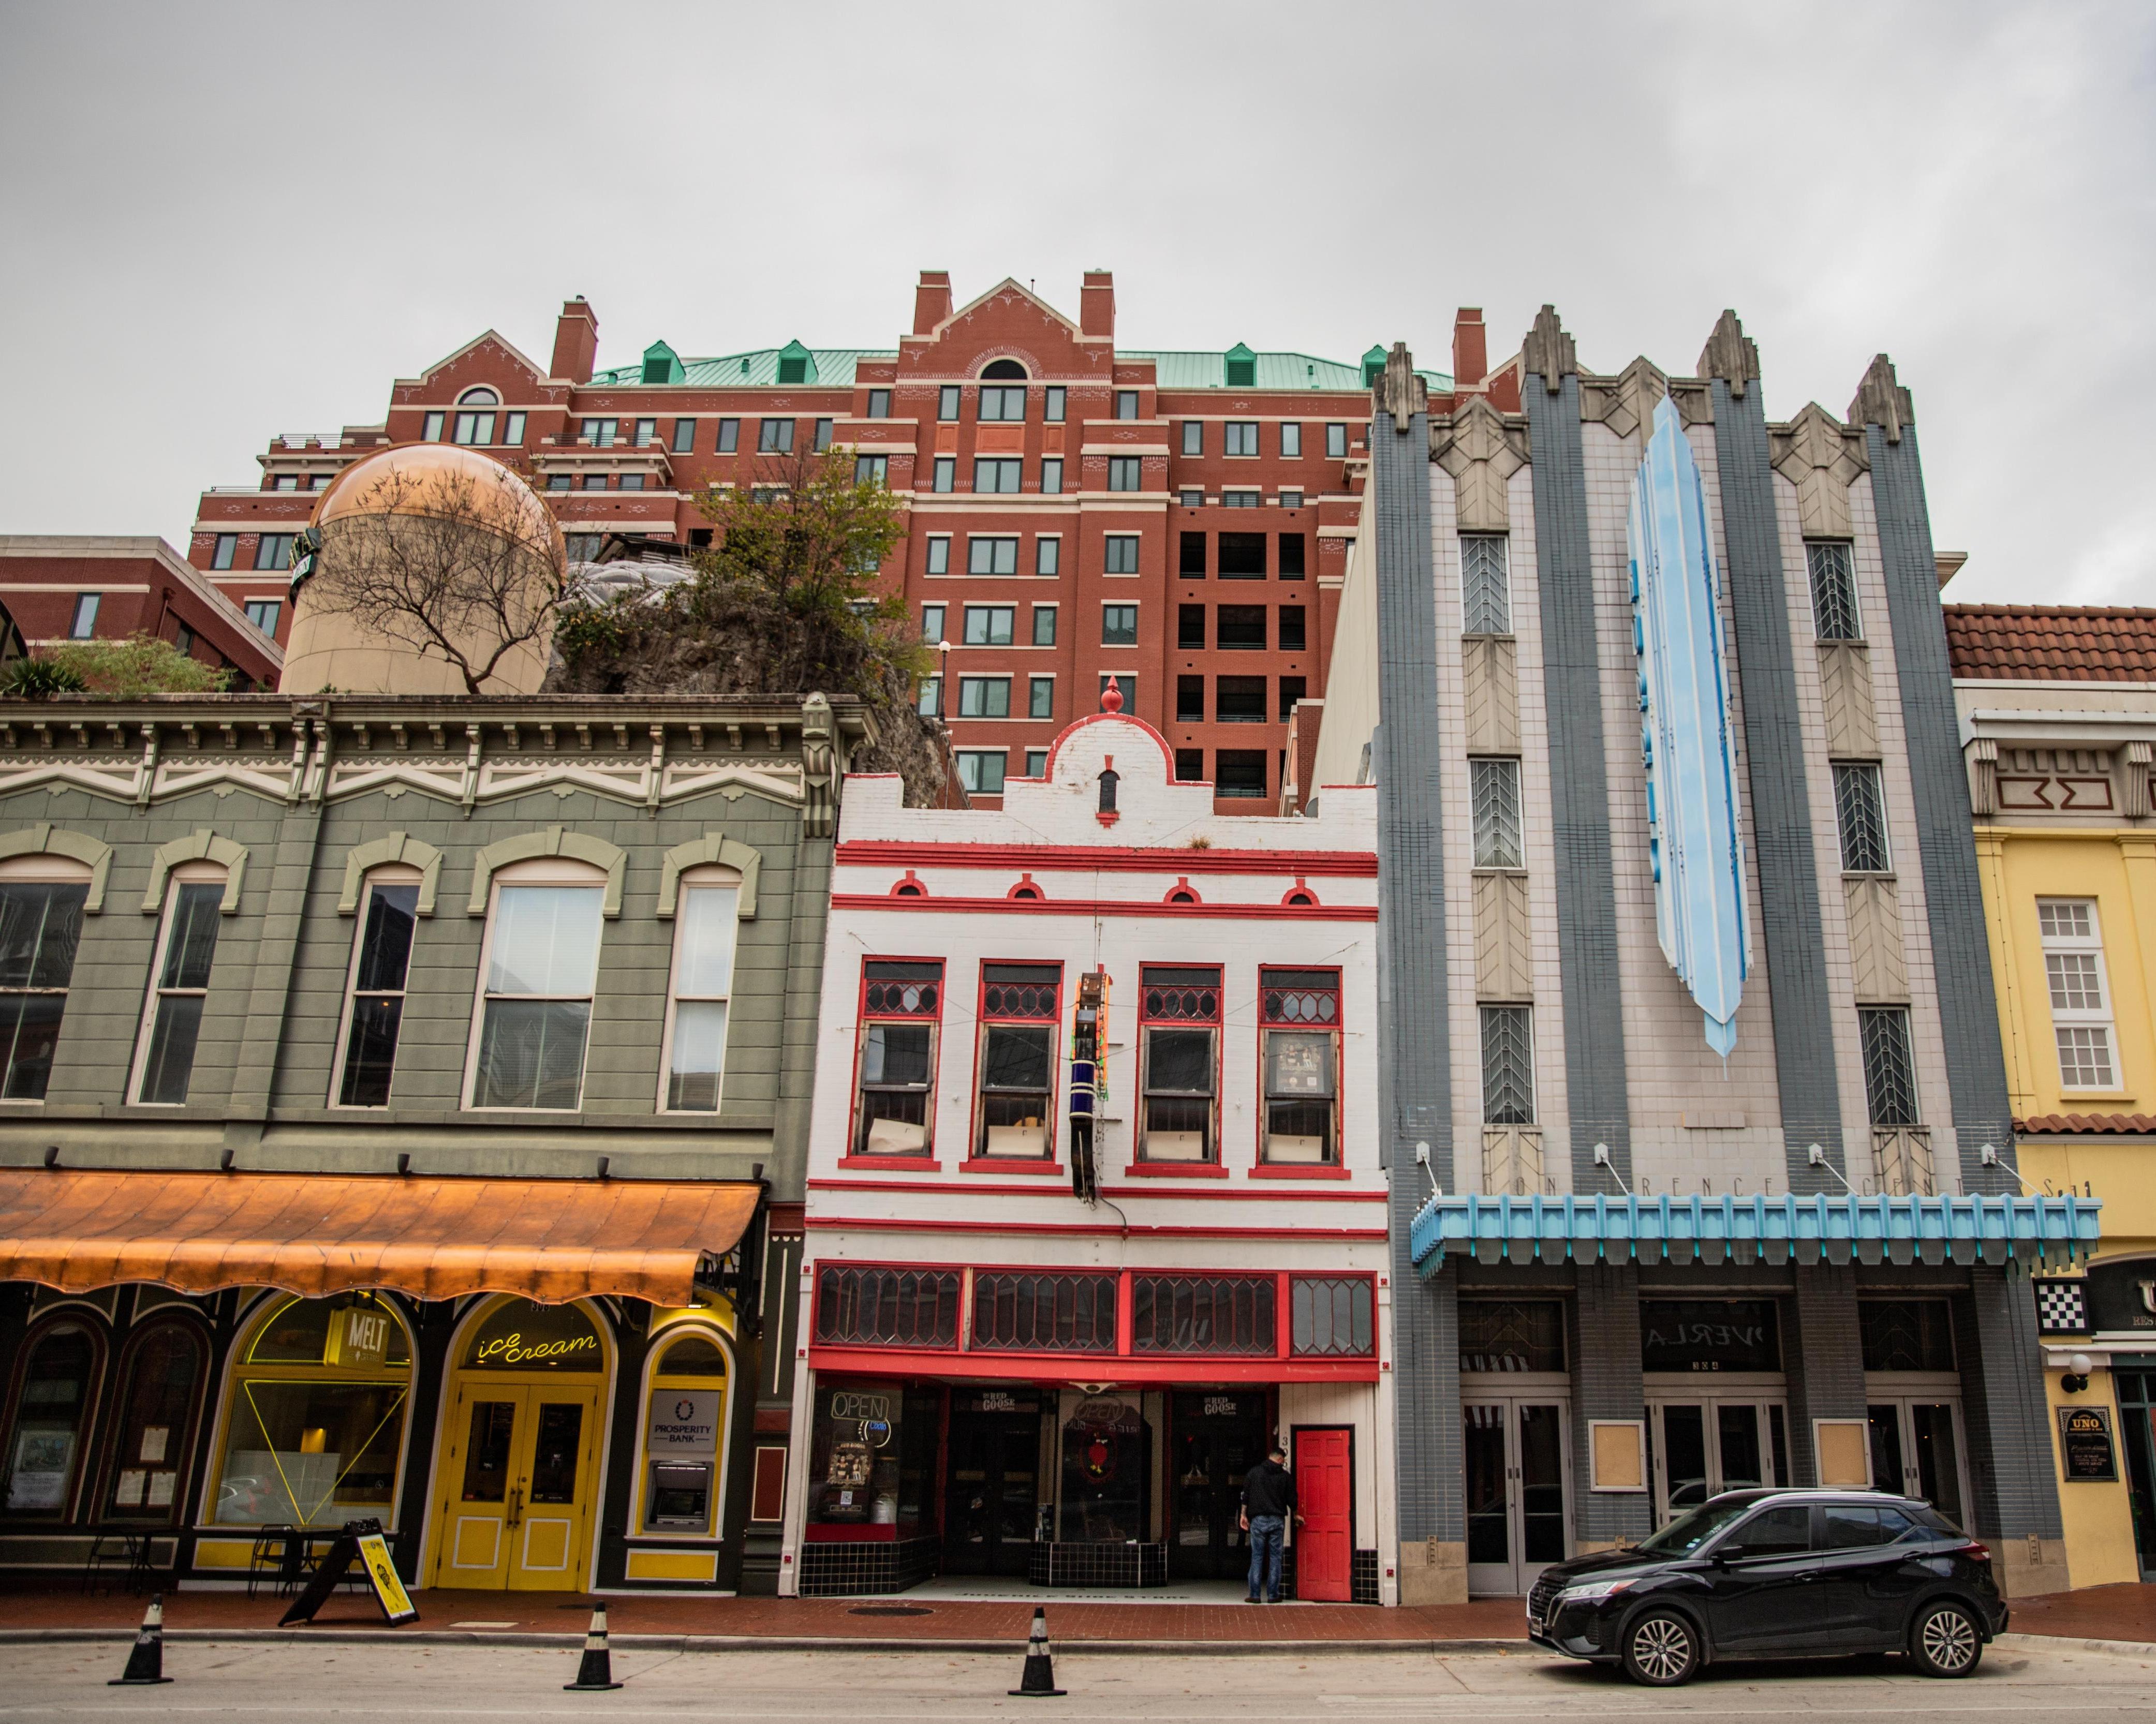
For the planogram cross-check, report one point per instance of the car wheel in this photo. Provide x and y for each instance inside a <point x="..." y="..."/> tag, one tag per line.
<point x="1661" y="1649"/>
<point x="1946" y="1641"/>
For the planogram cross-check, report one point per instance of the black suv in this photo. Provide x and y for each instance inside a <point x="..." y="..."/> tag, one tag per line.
<point x="1777" y="1574"/>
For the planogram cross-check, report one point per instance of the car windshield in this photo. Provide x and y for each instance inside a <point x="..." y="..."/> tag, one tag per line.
<point x="1688" y="1532"/>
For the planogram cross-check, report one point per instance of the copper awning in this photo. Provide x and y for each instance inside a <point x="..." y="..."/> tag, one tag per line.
<point x="550" y="1239"/>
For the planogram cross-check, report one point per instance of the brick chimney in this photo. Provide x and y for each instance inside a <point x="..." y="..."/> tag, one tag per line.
<point x="1471" y="348"/>
<point x="1096" y="304"/>
<point x="576" y="342"/>
<point x="931" y="300"/>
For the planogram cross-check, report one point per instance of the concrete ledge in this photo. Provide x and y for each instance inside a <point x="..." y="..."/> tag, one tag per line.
<point x="2030" y="1643"/>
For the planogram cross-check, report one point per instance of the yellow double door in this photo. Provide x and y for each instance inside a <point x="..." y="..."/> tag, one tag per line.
<point x="519" y="1482"/>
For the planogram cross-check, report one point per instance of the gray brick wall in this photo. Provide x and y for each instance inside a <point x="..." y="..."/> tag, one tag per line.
<point x="1953" y="898"/>
<point x="1823" y="1358"/>
<point x="1606" y="1383"/>
<point x="1579" y="791"/>
<point x="2003" y="1408"/>
<point x="1415" y="1074"/>
<point x="1789" y="905"/>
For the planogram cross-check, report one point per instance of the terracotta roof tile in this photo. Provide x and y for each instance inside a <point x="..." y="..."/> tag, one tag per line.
<point x="2047" y="1124"/>
<point x="2051" y="642"/>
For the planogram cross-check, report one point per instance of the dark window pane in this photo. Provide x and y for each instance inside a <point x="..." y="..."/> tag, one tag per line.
<point x="554" y="1458"/>
<point x="1240" y="772"/>
<point x="30" y="1029"/>
<point x="1292" y="633"/>
<point x="1191" y="555"/>
<point x="1190" y="763"/>
<point x="1776" y="1531"/>
<point x="1190" y="626"/>
<point x="385" y="951"/>
<point x="1291" y="565"/>
<point x="1242" y="557"/>
<point x="486" y="1451"/>
<point x="1709" y="1335"/>
<point x="1907" y="1334"/>
<point x="193" y="941"/>
<point x="1190" y="709"/>
<point x="1204" y="1314"/>
<point x="1016" y="1058"/>
<point x="1179" y="1061"/>
<point x="1511" y="1335"/>
<point x="172" y="1059"/>
<point x="887" y="1307"/>
<point x="896" y="1054"/>
<point x="371" y="1050"/>
<point x="1292" y="688"/>
<point x="1051" y="1313"/>
<point x="532" y="1054"/>
<point x="1240" y="700"/>
<point x="39" y="925"/>
<point x="1240" y="627"/>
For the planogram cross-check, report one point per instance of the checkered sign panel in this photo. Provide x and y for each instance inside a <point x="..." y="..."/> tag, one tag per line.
<point x="2061" y="1307"/>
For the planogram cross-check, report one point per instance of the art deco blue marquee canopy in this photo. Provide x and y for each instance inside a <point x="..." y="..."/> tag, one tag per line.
<point x="2048" y="1230"/>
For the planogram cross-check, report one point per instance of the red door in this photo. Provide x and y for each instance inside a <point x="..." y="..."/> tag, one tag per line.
<point x="1325" y="1498"/>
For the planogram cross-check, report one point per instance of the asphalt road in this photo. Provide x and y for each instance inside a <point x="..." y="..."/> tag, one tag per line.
<point x="283" y="1681"/>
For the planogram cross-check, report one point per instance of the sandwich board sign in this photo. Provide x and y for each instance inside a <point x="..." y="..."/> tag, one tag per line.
<point x="361" y="1541"/>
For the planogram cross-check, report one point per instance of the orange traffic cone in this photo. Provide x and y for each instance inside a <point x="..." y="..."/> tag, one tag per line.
<point x="596" y="1672"/>
<point x="146" y="1663"/>
<point x="1039" y="1681"/>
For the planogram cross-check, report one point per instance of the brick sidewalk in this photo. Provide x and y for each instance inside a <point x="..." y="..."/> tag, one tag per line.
<point x="2111" y="1613"/>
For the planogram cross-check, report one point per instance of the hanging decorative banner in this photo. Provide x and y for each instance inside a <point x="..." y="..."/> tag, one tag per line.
<point x="1686" y="741"/>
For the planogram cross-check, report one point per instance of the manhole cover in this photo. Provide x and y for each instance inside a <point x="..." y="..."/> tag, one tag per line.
<point x="891" y="1610"/>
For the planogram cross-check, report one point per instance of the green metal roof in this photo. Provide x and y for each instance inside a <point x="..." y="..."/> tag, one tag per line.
<point x="1274" y="371"/>
<point x="833" y="368"/>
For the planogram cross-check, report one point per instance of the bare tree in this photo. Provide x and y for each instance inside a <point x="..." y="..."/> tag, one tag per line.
<point x="451" y="565"/>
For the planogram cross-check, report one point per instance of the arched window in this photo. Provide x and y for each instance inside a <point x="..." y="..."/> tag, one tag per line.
<point x="375" y="985"/>
<point x="314" y="1424"/>
<point x="179" y="975"/>
<point x="1002" y="370"/>
<point x="52" y="1404"/>
<point x="480" y="395"/>
<point x="703" y="926"/>
<point x="1109" y="780"/>
<point x="42" y="901"/>
<point x="1183" y="894"/>
<point x="161" y="1378"/>
<point x="684" y="1434"/>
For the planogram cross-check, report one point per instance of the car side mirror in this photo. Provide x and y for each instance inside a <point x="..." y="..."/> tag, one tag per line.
<point x="1727" y="1554"/>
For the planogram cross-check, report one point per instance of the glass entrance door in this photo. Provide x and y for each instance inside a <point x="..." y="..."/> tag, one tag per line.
<point x="1916" y="1451"/>
<point x="1517" y="1520"/>
<point x="993" y="1491"/>
<point x="1704" y="1446"/>
<point x="1219" y="1435"/>
<point x="520" y="1479"/>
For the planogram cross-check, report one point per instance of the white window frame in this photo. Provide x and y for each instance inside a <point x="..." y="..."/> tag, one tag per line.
<point x="712" y="878"/>
<point x="389" y="874"/>
<point x="185" y="874"/>
<point x="548" y="871"/>
<point x="2096" y="1022"/>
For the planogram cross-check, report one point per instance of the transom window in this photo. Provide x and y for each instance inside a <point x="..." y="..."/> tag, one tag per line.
<point x="1486" y="585"/>
<point x="901" y="1008"/>
<point x="1179" y="1016"/>
<point x="536" y="1016"/>
<point x="40" y="927"/>
<point x="706" y="922"/>
<point x="1019" y="1005"/>
<point x="381" y="967"/>
<point x="2080" y="998"/>
<point x="187" y="949"/>
<point x="1300" y="1013"/>
<point x="1833" y="590"/>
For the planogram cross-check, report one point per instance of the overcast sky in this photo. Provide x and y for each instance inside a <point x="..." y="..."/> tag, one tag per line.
<point x="220" y="223"/>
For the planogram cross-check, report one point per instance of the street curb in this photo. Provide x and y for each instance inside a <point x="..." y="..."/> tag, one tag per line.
<point x="1067" y="1647"/>
<point x="2124" y="1649"/>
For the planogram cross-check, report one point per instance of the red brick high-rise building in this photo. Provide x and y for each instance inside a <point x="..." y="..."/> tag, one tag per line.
<point x="1078" y="510"/>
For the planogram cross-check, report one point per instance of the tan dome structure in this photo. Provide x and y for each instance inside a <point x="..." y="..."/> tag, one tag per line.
<point x="427" y="568"/>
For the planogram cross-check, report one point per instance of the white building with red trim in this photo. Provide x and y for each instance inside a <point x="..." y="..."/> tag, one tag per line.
<point x="1012" y="1370"/>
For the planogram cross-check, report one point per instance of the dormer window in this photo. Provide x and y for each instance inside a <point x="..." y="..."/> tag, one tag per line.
<point x="1241" y="367"/>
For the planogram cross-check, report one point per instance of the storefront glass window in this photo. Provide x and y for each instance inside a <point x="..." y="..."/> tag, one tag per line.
<point x="1907" y="1334"/>
<point x="316" y="1419"/>
<point x="1107" y="1468"/>
<point x="1511" y="1335"/>
<point x="159" y="1380"/>
<point x="45" y="1447"/>
<point x="854" y="1455"/>
<point x="683" y="1422"/>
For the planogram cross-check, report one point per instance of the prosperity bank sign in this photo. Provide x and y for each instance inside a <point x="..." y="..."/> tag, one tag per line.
<point x="684" y="1423"/>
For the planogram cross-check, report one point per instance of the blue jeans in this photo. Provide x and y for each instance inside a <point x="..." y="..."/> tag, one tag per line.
<point x="1266" y="1532"/>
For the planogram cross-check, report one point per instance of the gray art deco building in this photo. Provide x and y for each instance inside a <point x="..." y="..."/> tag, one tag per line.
<point x="1701" y="1155"/>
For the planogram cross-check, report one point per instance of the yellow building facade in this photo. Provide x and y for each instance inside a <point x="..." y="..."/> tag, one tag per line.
<point x="2058" y="718"/>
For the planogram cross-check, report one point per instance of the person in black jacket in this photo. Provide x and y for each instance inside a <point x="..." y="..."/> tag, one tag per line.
<point x="1268" y="1500"/>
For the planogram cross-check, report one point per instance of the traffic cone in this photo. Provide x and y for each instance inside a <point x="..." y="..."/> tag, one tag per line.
<point x="146" y="1663"/>
<point x="1039" y="1681"/>
<point x="596" y="1672"/>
